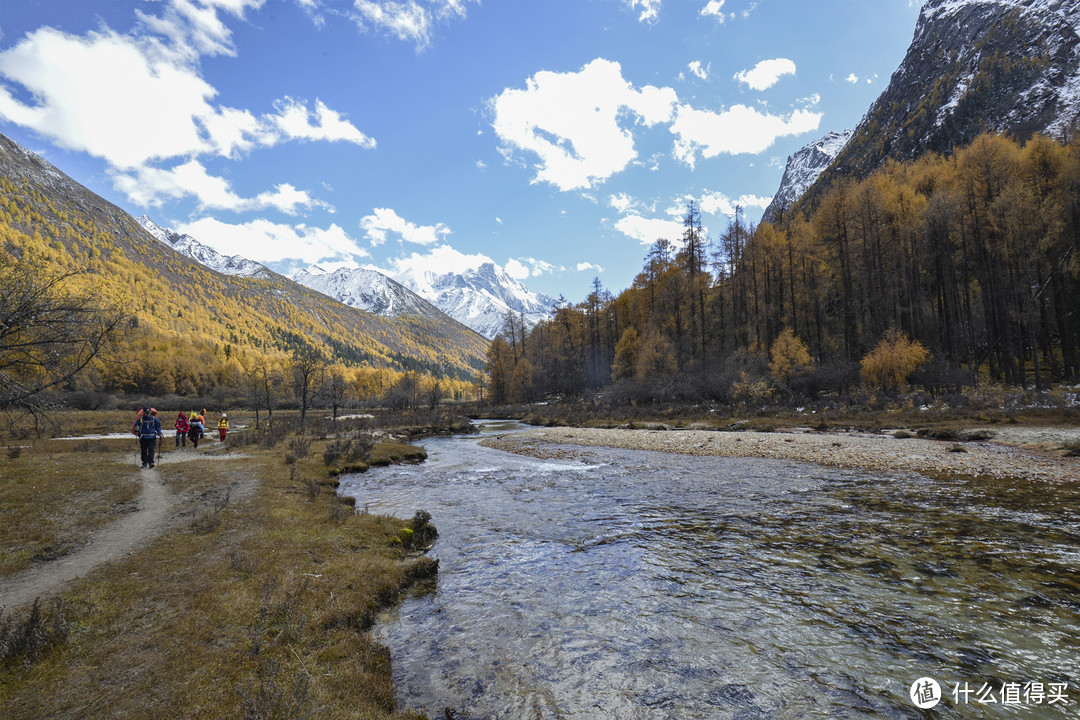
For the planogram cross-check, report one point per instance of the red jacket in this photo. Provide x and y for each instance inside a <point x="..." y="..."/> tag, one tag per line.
<point x="181" y="423"/>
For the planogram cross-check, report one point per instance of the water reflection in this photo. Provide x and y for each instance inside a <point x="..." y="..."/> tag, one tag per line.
<point x="613" y="583"/>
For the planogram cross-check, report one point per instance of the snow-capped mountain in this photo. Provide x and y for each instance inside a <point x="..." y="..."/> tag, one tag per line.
<point x="192" y="248"/>
<point x="802" y="170"/>
<point x="973" y="66"/>
<point x="367" y="290"/>
<point x="480" y="297"/>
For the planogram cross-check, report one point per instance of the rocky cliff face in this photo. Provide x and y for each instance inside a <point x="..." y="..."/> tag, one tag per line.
<point x="802" y="169"/>
<point x="973" y="66"/>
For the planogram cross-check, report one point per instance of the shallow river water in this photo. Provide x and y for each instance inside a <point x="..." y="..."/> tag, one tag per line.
<point x="627" y="584"/>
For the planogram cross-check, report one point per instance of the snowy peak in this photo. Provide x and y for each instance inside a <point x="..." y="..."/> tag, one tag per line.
<point x="803" y="169"/>
<point x="203" y="254"/>
<point x="480" y="297"/>
<point x="367" y="290"/>
<point x="973" y="66"/>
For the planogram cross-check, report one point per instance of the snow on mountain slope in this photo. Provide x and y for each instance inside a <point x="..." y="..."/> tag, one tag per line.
<point x="802" y="170"/>
<point x="192" y="248"/>
<point x="367" y="290"/>
<point x="973" y="66"/>
<point x="480" y="297"/>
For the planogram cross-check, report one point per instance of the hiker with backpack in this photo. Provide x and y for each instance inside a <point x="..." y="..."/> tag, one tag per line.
<point x="182" y="426"/>
<point x="195" y="430"/>
<point x="149" y="430"/>
<point x="223" y="427"/>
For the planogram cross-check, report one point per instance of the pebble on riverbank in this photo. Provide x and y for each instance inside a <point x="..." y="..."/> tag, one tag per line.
<point x="849" y="450"/>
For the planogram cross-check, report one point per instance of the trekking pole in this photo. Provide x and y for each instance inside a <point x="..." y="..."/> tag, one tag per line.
<point x="159" y="439"/>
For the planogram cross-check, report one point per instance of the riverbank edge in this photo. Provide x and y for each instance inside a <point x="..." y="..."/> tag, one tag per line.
<point x="852" y="450"/>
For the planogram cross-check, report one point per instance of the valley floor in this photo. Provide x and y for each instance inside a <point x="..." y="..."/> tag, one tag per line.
<point x="1023" y="452"/>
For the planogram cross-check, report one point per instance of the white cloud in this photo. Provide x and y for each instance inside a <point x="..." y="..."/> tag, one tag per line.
<point x="274" y="242"/>
<point x="766" y="73"/>
<point x="621" y="202"/>
<point x="717" y="203"/>
<point x="295" y="121"/>
<point x="521" y="268"/>
<point x="540" y="267"/>
<point x="440" y="259"/>
<point x="852" y="78"/>
<point x="715" y="8"/>
<point x="648" y="230"/>
<point x="140" y="101"/>
<point x="737" y="130"/>
<point x="150" y="187"/>
<point x="196" y="29"/>
<point x="516" y="270"/>
<point x="107" y="95"/>
<point x="571" y="121"/>
<point x="409" y="20"/>
<point x="583" y="266"/>
<point x="650" y="9"/>
<point x="384" y="222"/>
<point x="699" y="71"/>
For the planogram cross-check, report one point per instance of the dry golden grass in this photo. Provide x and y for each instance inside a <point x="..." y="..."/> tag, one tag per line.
<point x="254" y="609"/>
<point x="52" y="497"/>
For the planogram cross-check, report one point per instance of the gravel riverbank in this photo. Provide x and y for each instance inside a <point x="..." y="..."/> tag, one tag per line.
<point x="1015" y="452"/>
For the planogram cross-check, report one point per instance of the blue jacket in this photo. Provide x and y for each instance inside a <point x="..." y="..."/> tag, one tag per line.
<point x="149" y="427"/>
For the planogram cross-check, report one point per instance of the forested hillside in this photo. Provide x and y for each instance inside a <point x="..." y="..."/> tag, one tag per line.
<point x="936" y="271"/>
<point x="190" y="330"/>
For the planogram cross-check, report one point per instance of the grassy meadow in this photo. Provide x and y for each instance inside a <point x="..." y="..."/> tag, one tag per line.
<point x="252" y="604"/>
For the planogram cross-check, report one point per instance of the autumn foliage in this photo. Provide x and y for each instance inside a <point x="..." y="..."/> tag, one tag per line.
<point x="949" y="269"/>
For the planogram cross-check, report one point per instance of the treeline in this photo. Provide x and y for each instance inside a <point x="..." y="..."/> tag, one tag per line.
<point x="937" y="272"/>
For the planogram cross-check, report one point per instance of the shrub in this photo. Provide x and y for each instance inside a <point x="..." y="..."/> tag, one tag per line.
<point x="789" y="355"/>
<point x="892" y="361"/>
<point x="29" y="638"/>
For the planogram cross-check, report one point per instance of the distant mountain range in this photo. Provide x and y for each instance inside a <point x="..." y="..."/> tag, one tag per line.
<point x="973" y="66"/>
<point x="189" y="296"/>
<point x="367" y="290"/>
<point x="481" y="297"/>
<point x="211" y="258"/>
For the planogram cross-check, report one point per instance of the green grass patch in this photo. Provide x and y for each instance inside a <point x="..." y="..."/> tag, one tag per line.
<point x="388" y="452"/>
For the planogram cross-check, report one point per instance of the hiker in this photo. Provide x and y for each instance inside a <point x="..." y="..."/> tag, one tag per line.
<point x="202" y="423"/>
<point x="195" y="430"/>
<point x="138" y="416"/>
<point x="149" y="432"/>
<point x="182" y="426"/>
<point x="222" y="427"/>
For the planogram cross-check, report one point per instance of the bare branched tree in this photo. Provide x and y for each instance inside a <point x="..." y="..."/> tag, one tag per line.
<point x="49" y="333"/>
<point x="308" y="369"/>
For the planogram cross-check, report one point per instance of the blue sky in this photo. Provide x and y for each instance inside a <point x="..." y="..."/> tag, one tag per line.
<point x="558" y="138"/>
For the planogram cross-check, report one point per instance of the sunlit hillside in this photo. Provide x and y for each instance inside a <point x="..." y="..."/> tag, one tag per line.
<point x="186" y="320"/>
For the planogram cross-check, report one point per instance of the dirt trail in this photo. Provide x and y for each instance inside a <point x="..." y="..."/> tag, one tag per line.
<point x="156" y="513"/>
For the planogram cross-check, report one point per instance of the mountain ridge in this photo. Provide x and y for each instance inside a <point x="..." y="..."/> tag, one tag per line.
<point x="49" y="217"/>
<point x="973" y="66"/>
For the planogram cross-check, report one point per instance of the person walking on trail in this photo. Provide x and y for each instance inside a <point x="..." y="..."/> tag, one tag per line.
<point x="149" y="431"/>
<point x="138" y="417"/>
<point x="182" y="426"/>
<point x="195" y="430"/>
<point x="223" y="427"/>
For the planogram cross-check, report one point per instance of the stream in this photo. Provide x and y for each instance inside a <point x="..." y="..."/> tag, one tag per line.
<point x="626" y="584"/>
